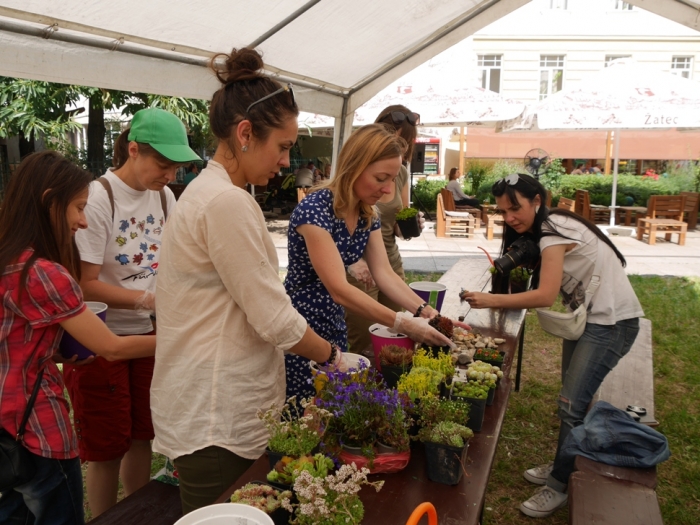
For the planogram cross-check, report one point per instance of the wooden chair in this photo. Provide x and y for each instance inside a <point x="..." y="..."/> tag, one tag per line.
<point x="449" y="201"/>
<point x="692" y="201"/>
<point x="664" y="214"/>
<point x="491" y="221"/>
<point x="453" y="223"/>
<point x="567" y="204"/>
<point x="593" y="212"/>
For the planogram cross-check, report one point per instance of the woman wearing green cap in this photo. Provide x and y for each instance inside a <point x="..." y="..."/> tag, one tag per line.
<point x="127" y="209"/>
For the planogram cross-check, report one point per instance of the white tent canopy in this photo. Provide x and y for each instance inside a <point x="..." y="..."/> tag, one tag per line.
<point x="338" y="53"/>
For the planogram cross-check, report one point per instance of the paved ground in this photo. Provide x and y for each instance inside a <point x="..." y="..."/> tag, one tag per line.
<point x="427" y="253"/>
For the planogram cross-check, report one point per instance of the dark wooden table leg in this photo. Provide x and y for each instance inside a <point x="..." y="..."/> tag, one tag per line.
<point x="520" y="356"/>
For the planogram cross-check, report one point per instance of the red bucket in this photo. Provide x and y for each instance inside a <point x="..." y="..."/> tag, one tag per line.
<point x="381" y="336"/>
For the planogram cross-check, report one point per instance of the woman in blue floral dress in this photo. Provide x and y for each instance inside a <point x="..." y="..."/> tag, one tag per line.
<point x="331" y="229"/>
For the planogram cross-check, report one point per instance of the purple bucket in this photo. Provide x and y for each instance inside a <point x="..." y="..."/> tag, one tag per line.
<point x="69" y="346"/>
<point x="431" y="293"/>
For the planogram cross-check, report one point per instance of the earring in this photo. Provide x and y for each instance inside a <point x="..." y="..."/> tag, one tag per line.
<point x="244" y="149"/>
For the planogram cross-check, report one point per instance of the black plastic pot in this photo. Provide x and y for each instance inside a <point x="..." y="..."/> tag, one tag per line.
<point x="409" y="227"/>
<point x="519" y="286"/>
<point x="445" y="464"/>
<point x="392" y="374"/>
<point x="490" y="397"/>
<point x="273" y="457"/>
<point x="476" y="411"/>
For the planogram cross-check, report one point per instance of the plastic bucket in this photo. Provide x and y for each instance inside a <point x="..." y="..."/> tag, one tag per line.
<point x="381" y="337"/>
<point x="351" y="361"/>
<point x="226" y="514"/>
<point x="69" y="346"/>
<point x="431" y="293"/>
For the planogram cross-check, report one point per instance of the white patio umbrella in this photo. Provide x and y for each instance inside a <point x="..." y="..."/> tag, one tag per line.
<point x="624" y="95"/>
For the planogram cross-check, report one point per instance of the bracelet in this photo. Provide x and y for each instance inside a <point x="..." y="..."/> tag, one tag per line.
<point x="420" y="309"/>
<point x="332" y="357"/>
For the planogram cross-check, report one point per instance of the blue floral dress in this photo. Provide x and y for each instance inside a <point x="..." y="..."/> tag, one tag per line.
<point x="309" y="295"/>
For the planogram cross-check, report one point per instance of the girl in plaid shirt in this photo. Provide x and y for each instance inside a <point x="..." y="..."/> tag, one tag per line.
<point x="39" y="265"/>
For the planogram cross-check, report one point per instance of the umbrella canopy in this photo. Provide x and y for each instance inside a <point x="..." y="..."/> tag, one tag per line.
<point x="624" y="95"/>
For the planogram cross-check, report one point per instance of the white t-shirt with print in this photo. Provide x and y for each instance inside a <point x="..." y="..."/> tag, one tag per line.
<point x="614" y="300"/>
<point x="128" y="247"/>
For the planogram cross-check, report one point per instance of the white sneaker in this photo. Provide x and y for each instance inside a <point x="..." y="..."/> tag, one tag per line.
<point x="545" y="501"/>
<point x="539" y="475"/>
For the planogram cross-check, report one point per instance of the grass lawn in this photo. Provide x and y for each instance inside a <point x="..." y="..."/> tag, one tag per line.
<point x="531" y="425"/>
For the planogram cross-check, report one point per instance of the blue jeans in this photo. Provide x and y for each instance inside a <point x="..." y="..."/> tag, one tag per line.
<point x="584" y="365"/>
<point x="53" y="497"/>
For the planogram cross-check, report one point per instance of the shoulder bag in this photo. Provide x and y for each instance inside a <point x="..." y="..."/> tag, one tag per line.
<point x="570" y="325"/>
<point x="16" y="463"/>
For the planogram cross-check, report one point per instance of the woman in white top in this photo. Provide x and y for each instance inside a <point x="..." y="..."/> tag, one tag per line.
<point x="119" y="255"/>
<point x="224" y="318"/>
<point x="461" y="199"/>
<point x="570" y="246"/>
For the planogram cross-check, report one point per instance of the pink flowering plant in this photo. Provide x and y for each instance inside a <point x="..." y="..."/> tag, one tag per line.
<point x="331" y="499"/>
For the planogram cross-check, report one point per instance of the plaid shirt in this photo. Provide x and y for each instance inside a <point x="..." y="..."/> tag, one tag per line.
<point x="29" y="336"/>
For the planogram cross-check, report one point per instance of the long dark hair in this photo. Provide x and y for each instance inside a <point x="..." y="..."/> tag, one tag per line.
<point x="529" y="187"/>
<point x="243" y="84"/>
<point x="33" y="213"/>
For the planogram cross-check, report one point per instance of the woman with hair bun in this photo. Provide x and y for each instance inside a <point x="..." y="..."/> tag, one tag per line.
<point x="224" y="319"/>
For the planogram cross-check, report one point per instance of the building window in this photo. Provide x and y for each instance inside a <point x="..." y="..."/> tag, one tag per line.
<point x="682" y="66"/>
<point x="610" y="58"/>
<point x="551" y="74"/>
<point x="623" y="6"/>
<point x="490" y="72"/>
<point x="558" y="4"/>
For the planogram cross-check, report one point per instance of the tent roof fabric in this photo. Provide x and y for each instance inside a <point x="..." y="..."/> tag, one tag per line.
<point x="340" y="53"/>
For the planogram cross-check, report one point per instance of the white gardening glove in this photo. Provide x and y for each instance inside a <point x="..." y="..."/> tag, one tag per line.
<point x="360" y="271"/>
<point x="147" y="301"/>
<point x="337" y="364"/>
<point x="418" y="329"/>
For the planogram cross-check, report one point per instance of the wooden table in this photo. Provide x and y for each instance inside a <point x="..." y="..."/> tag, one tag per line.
<point x="638" y="211"/>
<point x="460" y="504"/>
<point x="487" y="209"/>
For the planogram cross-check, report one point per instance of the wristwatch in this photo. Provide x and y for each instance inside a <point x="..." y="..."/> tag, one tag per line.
<point x="332" y="357"/>
<point x="420" y="309"/>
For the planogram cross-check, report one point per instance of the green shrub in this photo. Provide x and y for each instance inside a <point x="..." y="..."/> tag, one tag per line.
<point x="477" y="172"/>
<point x="638" y="188"/>
<point x="426" y="191"/>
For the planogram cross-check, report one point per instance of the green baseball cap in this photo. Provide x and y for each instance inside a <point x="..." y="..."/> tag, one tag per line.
<point x="164" y="132"/>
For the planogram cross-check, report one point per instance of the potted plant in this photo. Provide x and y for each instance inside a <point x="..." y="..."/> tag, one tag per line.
<point x="440" y="362"/>
<point x="491" y="356"/>
<point x="295" y="429"/>
<point x="392" y="437"/>
<point x="363" y="411"/>
<point x="445" y="327"/>
<point x="519" y="280"/>
<point x="474" y="394"/>
<point x="331" y="499"/>
<point x="266" y="498"/>
<point x="287" y="469"/>
<point x="420" y="382"/>
<point x="395" y="361"/>
<point x="409" y="223"/>
<point x="486" y="375"/>
<point x="446" y="444"/>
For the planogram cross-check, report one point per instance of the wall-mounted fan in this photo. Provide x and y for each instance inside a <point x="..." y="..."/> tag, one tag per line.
<point x="536" y="160"/>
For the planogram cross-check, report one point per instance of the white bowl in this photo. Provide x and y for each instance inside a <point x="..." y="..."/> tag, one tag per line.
<point x="226" y="514"/>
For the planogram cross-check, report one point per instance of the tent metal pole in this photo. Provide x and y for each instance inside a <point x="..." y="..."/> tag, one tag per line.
<point x="284" y="23"/>
<point x="614" y="185"/>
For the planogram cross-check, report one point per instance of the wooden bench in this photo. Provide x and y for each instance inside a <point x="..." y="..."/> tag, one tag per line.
<point x="631" y="382"/>
<point x="491" y="221"/>
<point x="453" y="223"/>
<point x="595" y="499"/>
<point x="603" y="494"/>
<point x="154" y="504"/>
<point x="664" y="214"/>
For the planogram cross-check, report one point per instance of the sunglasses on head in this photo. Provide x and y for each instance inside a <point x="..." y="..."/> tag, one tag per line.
<point x="512" y="180"/>
<point x="397" y="117"/>
<point x="288" y="88"/>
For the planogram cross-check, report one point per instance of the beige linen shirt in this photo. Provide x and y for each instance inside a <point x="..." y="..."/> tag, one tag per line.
<point x="224" y="321"/>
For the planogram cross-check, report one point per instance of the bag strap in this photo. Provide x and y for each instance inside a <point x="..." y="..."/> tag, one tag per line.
<point x="30" y="405"/>
<point x="595" y="278"/>
<point x="107" y="186"/>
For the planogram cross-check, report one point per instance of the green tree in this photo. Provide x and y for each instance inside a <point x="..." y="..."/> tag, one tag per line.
<point x="33" y="109"/>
